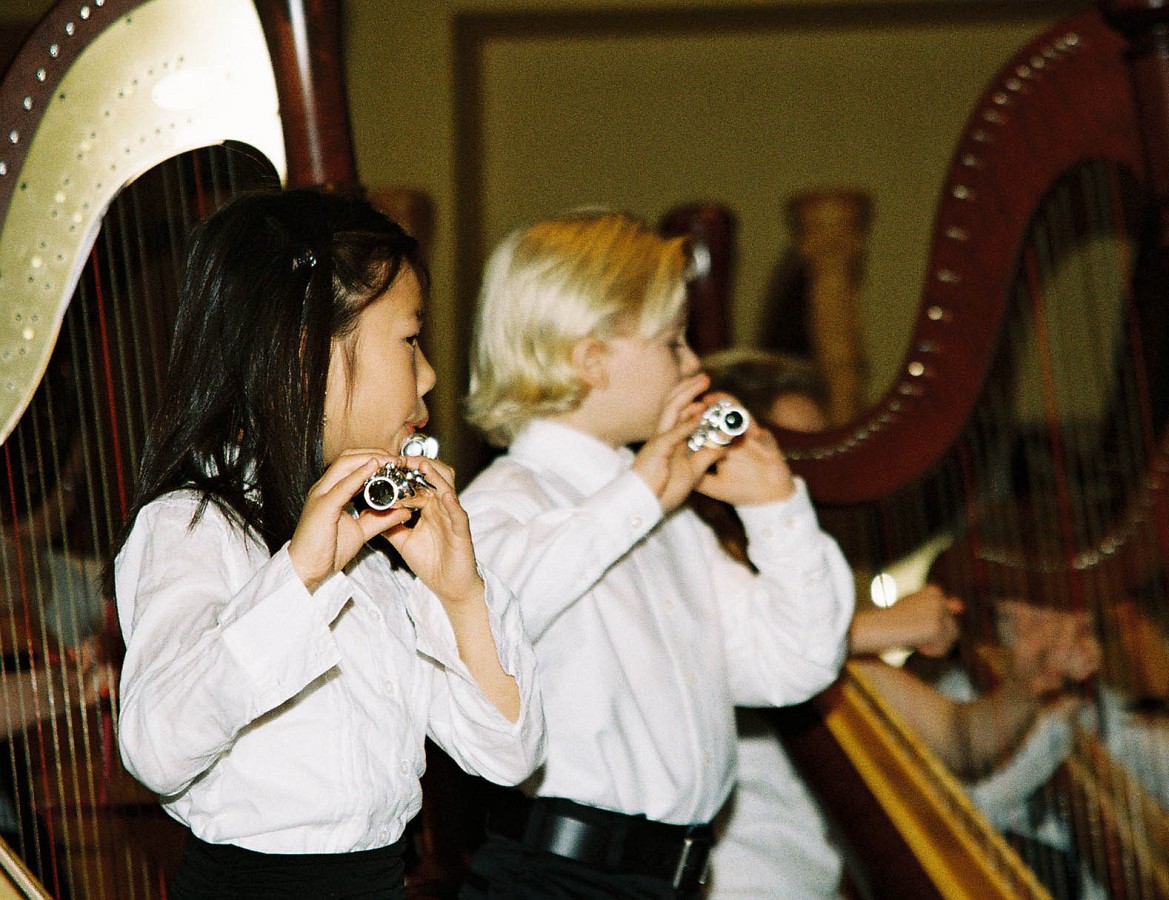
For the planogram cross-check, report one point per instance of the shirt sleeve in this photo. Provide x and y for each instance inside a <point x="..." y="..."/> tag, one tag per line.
<point x="1002" y="795"/>
<point x="552" y="557"/>
<point x="212" y="641"/>
<point x="786" y="626"/>
<point x="462" y="720"/>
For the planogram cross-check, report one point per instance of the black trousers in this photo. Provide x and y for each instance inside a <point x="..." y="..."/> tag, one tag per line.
<point x="225" y="872"/>
<point x="504" y="869"/>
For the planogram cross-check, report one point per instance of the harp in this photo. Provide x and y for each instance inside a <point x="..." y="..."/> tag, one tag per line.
<point x="124" y="122"/>
<point x="1025" y="431"/>
<point x="710" y="230"/>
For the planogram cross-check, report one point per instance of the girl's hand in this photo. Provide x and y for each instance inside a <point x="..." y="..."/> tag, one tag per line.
<point x="754" y="470"/>
<point x="664" y="462"/>
<point x="327" y="536"/>
<point x="437" y="546"/>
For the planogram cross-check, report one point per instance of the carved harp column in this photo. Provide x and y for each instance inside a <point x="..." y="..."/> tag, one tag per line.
<point x="711" y="230"/>
<point x="1026" y="429"/>
<point x="123" y="123"/>
<point x="830" y="230"/>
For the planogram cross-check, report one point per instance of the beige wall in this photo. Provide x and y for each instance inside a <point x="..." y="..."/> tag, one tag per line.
<point x="646" y="104"/>
<point x="503" y="111"/>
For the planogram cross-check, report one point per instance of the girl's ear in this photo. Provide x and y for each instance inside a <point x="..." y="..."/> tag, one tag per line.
<point x="590" y="361"/>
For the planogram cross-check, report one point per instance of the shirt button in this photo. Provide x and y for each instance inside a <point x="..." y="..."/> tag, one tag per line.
<point x="404" y="767"/>
<point x="383" y="834"/>
<point x="635" y="522"/>
<point x="388" y="687"/>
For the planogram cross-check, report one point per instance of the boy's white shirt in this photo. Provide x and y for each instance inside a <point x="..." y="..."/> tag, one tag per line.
<point x="286" y="722"/>
<point x="646" y="633"/>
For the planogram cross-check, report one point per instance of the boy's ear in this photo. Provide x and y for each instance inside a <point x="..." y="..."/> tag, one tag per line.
<point x="589" y="357"/>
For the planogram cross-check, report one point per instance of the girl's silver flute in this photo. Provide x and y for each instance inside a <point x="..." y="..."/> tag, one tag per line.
<point x="393" y="483"/>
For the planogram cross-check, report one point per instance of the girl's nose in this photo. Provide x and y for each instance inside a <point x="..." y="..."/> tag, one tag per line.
<point x="426" y="375"/>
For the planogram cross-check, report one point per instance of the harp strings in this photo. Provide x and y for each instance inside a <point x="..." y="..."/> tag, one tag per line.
<point x="81" y="823"/>
<point x="1039" y="491"/>
<point x="1085" y="446"/>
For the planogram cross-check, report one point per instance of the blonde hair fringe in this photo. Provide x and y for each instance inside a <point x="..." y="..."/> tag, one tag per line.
<point x="588" y="273"/>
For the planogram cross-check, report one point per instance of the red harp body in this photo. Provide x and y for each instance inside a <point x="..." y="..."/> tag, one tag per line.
<point x="1024" y="439"/>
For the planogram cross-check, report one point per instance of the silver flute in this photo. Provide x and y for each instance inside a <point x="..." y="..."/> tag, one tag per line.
<point x="392" y="483"/>
<point x="720" y="424"/>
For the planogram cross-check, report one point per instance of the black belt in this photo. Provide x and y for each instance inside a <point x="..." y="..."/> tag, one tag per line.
<point x="676" y="854"/>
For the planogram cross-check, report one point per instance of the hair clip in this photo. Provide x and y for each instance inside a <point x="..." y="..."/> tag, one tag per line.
<point x="306" y="258"/>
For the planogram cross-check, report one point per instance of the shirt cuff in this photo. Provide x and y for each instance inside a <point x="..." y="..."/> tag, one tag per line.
<point x="506" y="627"/>
<point x="781" y="527"/>
<point x="282" y="641"/>
<point x="436" y="637"/>
<point x="627" y="507"/>
<point x="479" y="737"/>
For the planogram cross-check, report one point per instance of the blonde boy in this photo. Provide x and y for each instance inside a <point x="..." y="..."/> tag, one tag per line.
<point x="646" y="634"/>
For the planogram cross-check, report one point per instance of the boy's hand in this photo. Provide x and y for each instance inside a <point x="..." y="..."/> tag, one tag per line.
<point x="752" y="472"/>
<point x="664" y="462"/>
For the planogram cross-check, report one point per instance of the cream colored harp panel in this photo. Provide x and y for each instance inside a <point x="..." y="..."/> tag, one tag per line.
<point x="122" y="124"/>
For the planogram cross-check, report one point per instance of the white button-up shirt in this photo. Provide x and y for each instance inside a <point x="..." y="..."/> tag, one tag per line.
<point x="646" y="633"/>
<point x="286" y="722"/>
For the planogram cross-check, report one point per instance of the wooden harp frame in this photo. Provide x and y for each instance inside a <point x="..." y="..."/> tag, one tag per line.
<point x="1090" y="90"/>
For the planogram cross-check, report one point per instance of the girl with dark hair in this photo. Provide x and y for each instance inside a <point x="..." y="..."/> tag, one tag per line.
<point x="280" y="673"/>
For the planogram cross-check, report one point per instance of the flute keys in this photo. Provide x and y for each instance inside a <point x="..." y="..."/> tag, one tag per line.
<point x="381" y="491"/>
<point x="720" y="424"/>
<point x="420" y="445"/>
<point x="391" y="484"/>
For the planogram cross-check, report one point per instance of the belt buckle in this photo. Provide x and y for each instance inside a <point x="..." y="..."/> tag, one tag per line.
<point x="688" y="844"/>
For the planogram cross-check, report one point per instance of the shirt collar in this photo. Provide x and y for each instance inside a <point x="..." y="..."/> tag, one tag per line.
<point x="575" y="456"/>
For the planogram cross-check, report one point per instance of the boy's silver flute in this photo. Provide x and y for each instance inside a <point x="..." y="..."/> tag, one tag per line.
<point x="720" y="424"/>
<point x="393" y="483"/>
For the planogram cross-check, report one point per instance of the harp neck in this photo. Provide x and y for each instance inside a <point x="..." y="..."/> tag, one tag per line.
<point x="1145" y="25"/>
<point x="304" y="37"/>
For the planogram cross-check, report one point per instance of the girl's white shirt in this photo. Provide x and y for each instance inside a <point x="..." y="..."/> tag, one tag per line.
<point x="646" y="632"/>
<point x="285" y="722"/>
